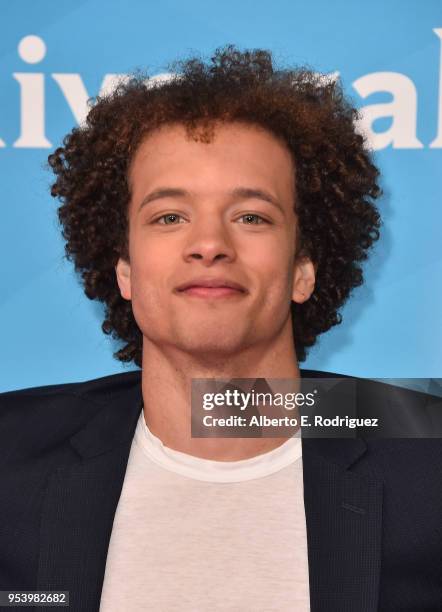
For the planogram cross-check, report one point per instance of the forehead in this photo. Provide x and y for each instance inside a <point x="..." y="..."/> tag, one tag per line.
<point x="237" y="153"/>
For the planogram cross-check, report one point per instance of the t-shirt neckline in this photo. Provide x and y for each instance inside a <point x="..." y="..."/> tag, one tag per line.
<point x="209" y="470"/>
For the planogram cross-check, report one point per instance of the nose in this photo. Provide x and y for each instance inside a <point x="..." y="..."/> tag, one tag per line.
<point x="208" y="241"/>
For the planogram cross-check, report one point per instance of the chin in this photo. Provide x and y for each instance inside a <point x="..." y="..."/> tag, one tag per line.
<point x="214" y="344"/>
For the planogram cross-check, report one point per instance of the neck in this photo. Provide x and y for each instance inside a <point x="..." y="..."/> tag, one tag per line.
<point x="167" y="375"/>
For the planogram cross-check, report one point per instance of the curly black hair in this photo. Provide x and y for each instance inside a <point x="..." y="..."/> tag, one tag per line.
<point x="336" y="179"/>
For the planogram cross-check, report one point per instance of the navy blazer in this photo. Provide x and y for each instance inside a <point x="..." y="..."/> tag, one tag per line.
<point x="373" y="507"/>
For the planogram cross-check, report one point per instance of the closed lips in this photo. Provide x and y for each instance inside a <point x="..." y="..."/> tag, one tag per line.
<point x="214" y="283"/>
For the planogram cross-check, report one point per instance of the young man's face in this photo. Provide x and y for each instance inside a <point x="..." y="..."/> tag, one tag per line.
<point x="218" y="213"/>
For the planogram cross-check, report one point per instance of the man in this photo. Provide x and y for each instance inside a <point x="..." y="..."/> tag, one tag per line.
<point x="221" y="217"/>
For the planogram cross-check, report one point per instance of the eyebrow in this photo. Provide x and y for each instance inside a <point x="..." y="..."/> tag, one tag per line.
<point x="242" y="193"/>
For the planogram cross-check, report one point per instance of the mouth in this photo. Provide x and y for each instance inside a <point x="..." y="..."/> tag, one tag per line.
<point x="211" y="288"/>
<point x="211" y="292"/>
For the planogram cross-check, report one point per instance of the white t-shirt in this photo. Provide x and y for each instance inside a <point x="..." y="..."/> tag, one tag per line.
<point x="196" y="535"/>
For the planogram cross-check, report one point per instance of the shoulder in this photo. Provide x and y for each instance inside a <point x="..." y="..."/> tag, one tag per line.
<point x="408" y="435"/>
<point x="385" y="394"/>
<point x="95" y="390"/>
<point x="40" y="417"/>
<point x="94" y="387"/>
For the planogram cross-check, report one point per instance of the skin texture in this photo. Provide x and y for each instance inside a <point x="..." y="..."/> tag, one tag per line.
<point x="246" y="334"/>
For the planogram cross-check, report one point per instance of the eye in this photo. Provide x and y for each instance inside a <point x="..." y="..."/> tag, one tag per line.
<point x="252" y="219"/>
<point x="169" y="219"/>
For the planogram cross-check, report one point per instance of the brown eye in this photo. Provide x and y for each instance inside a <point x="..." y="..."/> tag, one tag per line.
<point x="253" y="219"/>
<point x="170" y="219"/>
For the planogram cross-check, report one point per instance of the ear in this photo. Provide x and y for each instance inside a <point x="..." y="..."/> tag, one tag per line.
<point x="303" y="280"/>
<point x="122" y="270"/>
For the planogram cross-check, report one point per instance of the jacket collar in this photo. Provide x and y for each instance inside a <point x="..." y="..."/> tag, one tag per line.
<point x="115" y="424"/>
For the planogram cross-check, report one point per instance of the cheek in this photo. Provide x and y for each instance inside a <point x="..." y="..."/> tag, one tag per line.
<point x="272" y="269"/>
<point x="150" y="259"/>
<point x="148" y="276"/>
<point x="145" y="303"/>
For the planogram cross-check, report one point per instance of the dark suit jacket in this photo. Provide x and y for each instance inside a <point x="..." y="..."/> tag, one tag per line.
<point x="373" y="507"/>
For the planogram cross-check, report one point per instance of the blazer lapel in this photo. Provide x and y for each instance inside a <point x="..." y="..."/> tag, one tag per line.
<point x="344" y="520"/>
<point x="80" y="504"/>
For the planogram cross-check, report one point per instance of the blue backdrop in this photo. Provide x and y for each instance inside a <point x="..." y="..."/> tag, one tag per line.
<point x="388" y="55"/>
